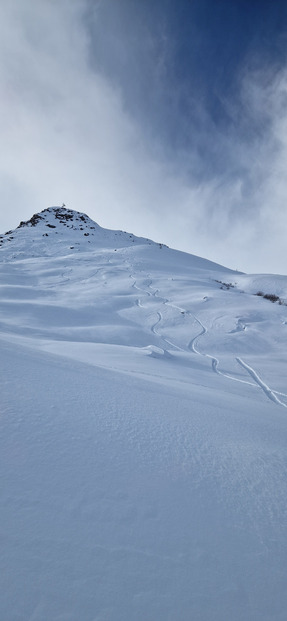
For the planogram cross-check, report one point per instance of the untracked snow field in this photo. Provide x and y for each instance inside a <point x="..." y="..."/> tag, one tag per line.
<point x="143" y="431"/>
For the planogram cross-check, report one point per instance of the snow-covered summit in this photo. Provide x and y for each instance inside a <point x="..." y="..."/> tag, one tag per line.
<point x="59" y="230"/>
<point x="55" y="216"/>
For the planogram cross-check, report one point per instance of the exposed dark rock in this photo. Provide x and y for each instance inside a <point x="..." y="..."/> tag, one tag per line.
<point x="32" y="222"/>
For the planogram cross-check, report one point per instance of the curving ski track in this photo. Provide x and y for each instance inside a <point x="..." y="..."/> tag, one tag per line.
<point x="269" y="393"/>
<point x="258" y="382"/>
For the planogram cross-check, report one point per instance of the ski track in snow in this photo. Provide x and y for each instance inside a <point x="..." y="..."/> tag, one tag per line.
<point x="159" y="314"/>
<point x="271" y="394"/>
<point x="191" y="345"/>
<point x="214" y="361"/>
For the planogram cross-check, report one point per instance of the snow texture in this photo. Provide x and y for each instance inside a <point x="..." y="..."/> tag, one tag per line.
<point x="143" y="431"/>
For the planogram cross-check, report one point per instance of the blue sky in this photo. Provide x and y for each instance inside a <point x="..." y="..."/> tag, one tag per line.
<point x="167" y="119"/>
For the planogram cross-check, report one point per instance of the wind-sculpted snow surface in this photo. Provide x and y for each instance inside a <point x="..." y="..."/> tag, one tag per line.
<point x="143" y="431"/>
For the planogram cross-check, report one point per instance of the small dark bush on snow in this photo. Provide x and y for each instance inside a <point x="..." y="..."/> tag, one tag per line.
<point x="272" y="297"/>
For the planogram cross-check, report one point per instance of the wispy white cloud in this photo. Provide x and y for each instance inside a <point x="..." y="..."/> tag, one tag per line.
<point x="68" y="135"/>
<point x="65" y="133"/>
<point x="254" y="200"/>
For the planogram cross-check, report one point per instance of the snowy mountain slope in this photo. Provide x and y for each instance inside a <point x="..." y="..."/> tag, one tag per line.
<point x="143" y="430"/>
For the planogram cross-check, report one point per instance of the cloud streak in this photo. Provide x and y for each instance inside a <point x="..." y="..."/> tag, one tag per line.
<point x="70" y="133"/>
